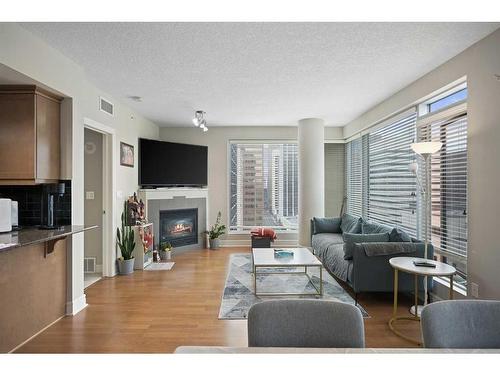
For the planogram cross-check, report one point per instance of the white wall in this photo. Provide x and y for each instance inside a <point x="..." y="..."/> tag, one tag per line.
<point x="217" y="140"/>
<point x="479" y="63"/>
<point x="29" y="55"/>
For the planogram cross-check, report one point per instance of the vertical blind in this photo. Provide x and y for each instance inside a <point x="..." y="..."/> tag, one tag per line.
<point x="448" y="180"/>
<point x="391" y="186"/>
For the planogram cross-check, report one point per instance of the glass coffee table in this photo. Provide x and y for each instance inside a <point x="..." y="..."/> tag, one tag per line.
<point x="302" y="259"/>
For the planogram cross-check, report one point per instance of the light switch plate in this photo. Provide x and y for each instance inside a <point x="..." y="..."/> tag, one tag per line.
<point x="89" y="195"/>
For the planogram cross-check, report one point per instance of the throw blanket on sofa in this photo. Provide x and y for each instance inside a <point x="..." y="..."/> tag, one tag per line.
<point x="264" y="232"/>
<point x="387" y="248"/>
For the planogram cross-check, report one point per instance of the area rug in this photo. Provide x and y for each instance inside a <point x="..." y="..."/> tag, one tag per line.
<point x="160" y="266"/>
<point x="238" y="295"/>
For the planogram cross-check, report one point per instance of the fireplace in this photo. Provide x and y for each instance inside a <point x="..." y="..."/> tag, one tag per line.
<point x="179" y="227"/>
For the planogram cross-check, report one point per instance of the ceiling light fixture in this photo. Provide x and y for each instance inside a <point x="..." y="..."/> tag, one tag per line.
<point x="199" y="120"/>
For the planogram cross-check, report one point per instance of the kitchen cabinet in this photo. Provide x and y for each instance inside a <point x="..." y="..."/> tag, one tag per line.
<point x="30" y="124"/>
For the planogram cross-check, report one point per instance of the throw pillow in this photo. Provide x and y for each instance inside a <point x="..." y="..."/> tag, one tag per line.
<point x="351" y="239"/>
<point x="369" y="228"/>
<point x="398" y="235"/>
<point x="326" y="225"/>
<point x="350" y="224"/>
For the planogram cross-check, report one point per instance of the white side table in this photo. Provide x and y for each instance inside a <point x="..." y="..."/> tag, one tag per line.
<point x="405" y="264"/>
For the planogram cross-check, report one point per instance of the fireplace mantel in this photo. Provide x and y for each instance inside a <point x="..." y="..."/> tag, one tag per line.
<point x="171" y="193"/>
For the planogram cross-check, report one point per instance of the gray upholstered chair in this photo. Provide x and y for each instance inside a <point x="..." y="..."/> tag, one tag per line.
<point x="462" y="324"/>
<point x="305" y="324"/>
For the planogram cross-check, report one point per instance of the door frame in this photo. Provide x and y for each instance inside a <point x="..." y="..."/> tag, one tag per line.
<point x="108" y="188"/>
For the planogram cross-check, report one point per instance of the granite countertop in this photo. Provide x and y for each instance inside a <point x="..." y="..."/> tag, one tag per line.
<point x="33" y="235"/>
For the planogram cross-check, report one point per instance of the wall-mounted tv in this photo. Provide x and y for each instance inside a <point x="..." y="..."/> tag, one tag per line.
<point x="164" y="164"/>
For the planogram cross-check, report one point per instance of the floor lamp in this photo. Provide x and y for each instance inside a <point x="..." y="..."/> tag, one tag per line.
<point x="425" y="150"/>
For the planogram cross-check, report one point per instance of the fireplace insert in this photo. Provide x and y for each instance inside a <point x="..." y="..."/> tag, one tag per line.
<point x="179" y="227"/>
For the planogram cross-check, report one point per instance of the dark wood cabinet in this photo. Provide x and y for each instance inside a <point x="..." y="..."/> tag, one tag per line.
<point x="30" y="124"/>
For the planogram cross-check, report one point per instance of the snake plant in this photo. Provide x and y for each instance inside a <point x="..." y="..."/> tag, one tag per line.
<point x="125" y="239"/>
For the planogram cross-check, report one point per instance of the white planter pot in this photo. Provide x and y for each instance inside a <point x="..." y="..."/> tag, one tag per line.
<point x="165" y="255"/>
<point x="125" y="267"/>
<point x="214" y="243"/>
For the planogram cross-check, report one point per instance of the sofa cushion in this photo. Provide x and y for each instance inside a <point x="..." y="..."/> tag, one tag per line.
<point x="358" y="237"/>
<point x="351" y="239"/>
<point x="398" y="235"/>
<point x="326" y="225"/>
<point x="350" y="224"/>
<point x="368" y="228"/>
<point x="325" y="239"/>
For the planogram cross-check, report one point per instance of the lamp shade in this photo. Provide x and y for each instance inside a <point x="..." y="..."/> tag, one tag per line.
<point x="425" y="148"/>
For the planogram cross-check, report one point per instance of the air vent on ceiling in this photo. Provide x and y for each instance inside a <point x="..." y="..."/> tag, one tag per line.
<point x="89" y="264"/>
<point x="106" y="106"/>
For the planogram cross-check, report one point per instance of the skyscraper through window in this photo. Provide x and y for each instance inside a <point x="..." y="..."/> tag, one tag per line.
<point x="264" y="185"/>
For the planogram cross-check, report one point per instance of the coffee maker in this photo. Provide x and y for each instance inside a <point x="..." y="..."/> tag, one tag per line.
<point x="50" y="201"/>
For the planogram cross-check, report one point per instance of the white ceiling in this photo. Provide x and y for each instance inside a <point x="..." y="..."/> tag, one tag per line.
<point x="257" y="73"/>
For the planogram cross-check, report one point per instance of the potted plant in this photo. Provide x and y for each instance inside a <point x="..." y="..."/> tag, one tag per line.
<point x="126" y="243"/>
<point x="215" y="232"/>
<point x="166" y="251"/>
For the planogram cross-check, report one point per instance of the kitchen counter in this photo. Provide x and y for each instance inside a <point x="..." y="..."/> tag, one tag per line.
<point x="33" y="281"/>
<point x="32" y="235"/>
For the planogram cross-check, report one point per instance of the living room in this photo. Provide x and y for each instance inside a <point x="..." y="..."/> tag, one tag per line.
<point x="249" y="187"/>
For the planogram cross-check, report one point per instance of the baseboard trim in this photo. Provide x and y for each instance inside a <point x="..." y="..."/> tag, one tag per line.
<point x="77" y="305"/>
<point x="248" y="243"/>
<point x="36" y="334"/>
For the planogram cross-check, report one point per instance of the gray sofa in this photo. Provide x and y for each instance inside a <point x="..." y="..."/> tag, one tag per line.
<point x="364" y="266"/>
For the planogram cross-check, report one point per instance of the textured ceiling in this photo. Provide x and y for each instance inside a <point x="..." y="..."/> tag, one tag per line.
<point x="257" y="73"/>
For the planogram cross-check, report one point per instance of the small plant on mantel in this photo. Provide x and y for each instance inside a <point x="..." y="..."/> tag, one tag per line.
<point x="126" y="242"/>
<point x="215" y="232"/>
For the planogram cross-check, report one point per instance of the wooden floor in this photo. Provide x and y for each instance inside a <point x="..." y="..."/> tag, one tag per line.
<point x="155" y="312"/>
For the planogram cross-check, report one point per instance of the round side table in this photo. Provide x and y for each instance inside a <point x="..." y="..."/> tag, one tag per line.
<point x="405" y="264"/>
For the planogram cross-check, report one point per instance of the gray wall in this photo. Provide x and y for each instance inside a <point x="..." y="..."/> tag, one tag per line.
<point x="479" y="64"/>
<point x="334" y="178"/>
<point x="93" y="183"/>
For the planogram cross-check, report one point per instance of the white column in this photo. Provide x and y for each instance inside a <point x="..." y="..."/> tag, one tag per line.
<point x="311" y="175"/>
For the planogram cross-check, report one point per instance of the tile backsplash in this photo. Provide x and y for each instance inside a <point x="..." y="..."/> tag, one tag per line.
<point x="29" y="199"/>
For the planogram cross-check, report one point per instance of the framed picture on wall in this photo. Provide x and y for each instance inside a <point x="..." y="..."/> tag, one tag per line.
<point x="126" y="154"/>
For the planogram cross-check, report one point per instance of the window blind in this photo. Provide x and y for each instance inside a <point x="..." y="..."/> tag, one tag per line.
<point x="448" y="180"/>
<point x="334" y="178"/>
<point x="354" y="183"/>
<point x="391" y="186"/>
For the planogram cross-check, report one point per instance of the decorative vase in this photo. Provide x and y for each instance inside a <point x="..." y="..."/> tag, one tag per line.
<point x="125" y="267"/>
<point x="214" y="243"/>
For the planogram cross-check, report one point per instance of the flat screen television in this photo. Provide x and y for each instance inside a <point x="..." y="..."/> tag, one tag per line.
<point x="164" y="164"/>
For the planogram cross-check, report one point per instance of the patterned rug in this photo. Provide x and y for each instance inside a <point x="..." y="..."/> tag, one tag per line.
<point x="239" y="296"/>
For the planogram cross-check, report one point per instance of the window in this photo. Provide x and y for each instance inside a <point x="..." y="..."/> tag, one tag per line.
<point x="264" y="186"/>
<point x="380" y="187"/>
<point x="453" y="98"/>
<point x="391" y="186"/>
<point x="448" y="174"/>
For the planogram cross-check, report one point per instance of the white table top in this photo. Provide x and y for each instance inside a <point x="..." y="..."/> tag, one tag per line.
<point x="406" y="264"/>
<point x="301" y="257"/>
<point x="257" y="350"/>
